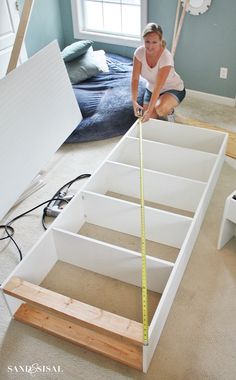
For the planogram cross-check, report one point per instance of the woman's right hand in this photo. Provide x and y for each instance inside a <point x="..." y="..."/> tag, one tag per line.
<point x="137" y="109"/>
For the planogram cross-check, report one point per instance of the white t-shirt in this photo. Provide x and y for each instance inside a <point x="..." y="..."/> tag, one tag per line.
<point x="173" y="81"/>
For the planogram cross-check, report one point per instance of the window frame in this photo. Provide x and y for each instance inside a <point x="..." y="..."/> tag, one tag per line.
<point x="80" y="33"/>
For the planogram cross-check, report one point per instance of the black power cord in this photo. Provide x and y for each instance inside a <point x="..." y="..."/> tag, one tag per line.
<point x="9" y="230"/>
<point x="58" y="193"/>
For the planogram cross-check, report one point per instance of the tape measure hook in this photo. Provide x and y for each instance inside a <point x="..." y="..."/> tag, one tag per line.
<point x="139" y="112"/>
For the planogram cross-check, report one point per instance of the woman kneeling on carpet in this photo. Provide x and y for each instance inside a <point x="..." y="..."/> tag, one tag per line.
<point x="165" y="89"/>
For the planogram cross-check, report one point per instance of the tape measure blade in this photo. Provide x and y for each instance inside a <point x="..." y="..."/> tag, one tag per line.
<point x="143" y="243"/>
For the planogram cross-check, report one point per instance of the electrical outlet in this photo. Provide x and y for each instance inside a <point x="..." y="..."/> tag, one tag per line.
<point x="223" y="72"/>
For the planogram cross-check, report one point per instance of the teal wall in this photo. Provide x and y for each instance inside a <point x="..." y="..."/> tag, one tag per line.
<point x="207" y="42"/>
<point x="45" y="25"/>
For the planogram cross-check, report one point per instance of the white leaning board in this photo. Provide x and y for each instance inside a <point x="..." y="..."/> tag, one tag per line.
<point x="93" y="204"/>
<point x="38" y="111"/>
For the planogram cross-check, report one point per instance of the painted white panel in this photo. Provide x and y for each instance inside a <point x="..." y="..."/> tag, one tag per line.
<point x="227" y="232"/>
<point x="170" y="159"/>
<point x="34" y="267"/>
<point x="161" y="226"/>
<point x="228" y="222"/>
<point x="38" y="111"/>
<point x="168" y="296"/>
<point x="181" y="135"/>
<point x="166" y="189"/>
<point x="231" y="214"/>
<point x="73" y="216"/>
<point x="99" y="182"/>
<point x="109" y="260"/>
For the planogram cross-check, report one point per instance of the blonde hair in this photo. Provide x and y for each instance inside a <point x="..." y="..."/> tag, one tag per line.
<point x="152" y="27"/>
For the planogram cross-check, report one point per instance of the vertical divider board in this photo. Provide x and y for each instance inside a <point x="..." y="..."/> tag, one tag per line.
<point x="178" y="161"/>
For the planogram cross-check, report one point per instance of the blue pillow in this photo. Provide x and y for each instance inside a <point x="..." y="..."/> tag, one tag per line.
<point x="75" y="50"/>
<point x="82" y="68"/>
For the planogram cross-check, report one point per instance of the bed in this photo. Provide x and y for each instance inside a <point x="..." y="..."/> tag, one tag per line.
<point x="105" y="102"/>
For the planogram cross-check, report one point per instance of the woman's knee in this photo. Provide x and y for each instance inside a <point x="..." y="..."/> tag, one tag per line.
<point x="162" y="109"/>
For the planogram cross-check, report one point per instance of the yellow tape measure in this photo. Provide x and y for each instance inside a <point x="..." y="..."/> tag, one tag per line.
<point x="143" y="239"/>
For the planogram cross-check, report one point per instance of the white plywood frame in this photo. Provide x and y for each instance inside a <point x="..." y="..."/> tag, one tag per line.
<point x="181" y="175"/>
<point x="38" y="111"/>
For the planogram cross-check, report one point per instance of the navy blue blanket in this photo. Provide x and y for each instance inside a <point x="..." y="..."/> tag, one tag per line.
<point x="105" y="102"/>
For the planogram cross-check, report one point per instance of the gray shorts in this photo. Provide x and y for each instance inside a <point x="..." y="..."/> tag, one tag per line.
<point x="178" y="95"/>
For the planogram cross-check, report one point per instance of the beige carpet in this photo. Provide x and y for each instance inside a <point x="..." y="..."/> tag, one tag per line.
<point x="199" y="338"/>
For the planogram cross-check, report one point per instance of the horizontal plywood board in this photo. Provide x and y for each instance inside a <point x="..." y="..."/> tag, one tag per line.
<point x="161" y="226"/>
<point x="115" y="262"/>
<point x="231" y="144"/>
<point x="175" y="160"/>
<point x="129" y="242"/>
<point x="181" y="135"/>
<point x="162" y="188"/>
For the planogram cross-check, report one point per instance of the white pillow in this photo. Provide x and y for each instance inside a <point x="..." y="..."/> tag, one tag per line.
<point x="100" y="59"/>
